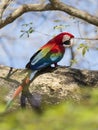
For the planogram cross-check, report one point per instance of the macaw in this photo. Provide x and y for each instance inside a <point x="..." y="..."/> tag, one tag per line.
<point x="51" y="53"/>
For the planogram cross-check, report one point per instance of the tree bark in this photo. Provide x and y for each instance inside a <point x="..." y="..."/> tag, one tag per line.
<point x="54" y="85"/>
<point x="52" y="6"/>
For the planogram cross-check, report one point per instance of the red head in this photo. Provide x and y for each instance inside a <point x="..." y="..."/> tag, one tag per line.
<point x="64" y="38"/>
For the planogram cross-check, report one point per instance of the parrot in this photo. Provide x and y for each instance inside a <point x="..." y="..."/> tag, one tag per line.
<point x="50" y="53"/>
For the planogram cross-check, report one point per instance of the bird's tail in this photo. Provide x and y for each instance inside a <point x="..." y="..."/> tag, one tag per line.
<point x="16" y="93"/>
<point x="25" y="82"/>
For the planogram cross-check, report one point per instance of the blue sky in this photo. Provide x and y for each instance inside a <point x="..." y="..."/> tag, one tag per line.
<point x="16" y="51"/>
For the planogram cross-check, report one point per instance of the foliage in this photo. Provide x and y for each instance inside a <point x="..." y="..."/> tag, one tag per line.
<point x="84" y="48"/>
<point x="27" y="30"/>
<point x="60" y="27"/>
<point x="65" y="116"/>
<point x="73" y="61"/>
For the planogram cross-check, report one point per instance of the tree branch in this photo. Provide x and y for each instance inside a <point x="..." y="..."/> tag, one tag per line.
<point x="84" y="38"/>
<point x="74" y="12"/>
<point x="23" y="9"/>
<point x="3" y="6"/>
<point x="53" y="84"/>
<point x="54" y="5"/>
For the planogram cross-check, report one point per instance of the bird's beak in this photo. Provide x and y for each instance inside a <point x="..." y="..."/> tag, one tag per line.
<point x="68" y="43"/>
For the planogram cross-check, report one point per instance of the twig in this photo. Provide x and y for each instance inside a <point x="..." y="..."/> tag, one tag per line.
<point x="9" y="73"/>
<point x="84" y="38"/>
<point x="80" y="38"/>
<point x="72" y="56"/>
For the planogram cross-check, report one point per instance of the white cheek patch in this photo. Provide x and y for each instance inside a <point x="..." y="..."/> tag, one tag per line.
<point x="72" y="42"/>
<point x="67" y="45"/>
<point x="65" y="38"/>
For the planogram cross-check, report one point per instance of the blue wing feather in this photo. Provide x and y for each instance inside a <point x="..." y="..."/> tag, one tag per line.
<point x="43" y="58"/>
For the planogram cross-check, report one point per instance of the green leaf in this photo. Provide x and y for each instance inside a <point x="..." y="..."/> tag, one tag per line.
<point x="22" y="35"/>
<point x="57" y="20"/>
<point x="30" y="30"/>
<point x="58" y="27"/>
<point x="27" y="34"/>
<point x="25" y="25"/>
<point x="81" y="46"/>
<point x="31" y="23"/>
<point x="74" y="61"/>
<point x="83" y="51"/>
<point x="22" y="31"/>
<point x="84" y="48"/>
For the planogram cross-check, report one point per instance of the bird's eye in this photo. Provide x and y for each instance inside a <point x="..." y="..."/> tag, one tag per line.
<point x="67" y="42"/>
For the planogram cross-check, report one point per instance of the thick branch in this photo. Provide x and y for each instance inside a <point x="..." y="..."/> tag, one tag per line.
<point x="75" y="12"/>
<point x="56" y="5"/>
<point x="23" y="9"/>
<point x="54" y="85"/>
<point x="3" y="6"/>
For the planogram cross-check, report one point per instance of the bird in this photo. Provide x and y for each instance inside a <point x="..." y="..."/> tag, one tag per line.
<point x="50" y="53"/>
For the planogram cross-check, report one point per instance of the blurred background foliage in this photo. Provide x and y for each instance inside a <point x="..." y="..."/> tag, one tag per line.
<point x="65" y="116"/>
